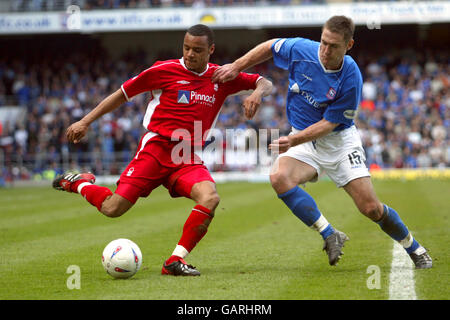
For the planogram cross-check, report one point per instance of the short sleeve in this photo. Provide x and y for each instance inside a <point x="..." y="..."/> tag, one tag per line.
<point x="281" y="51"/>
<point x="147" y="80"/>
<point x="244" y="81"/>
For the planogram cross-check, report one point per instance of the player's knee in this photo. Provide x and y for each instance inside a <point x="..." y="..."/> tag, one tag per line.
<point x="371" y="209"/>
<point x="280" y="182"/>
<point x="112" y="210"/>
<point x="210" y="200"/>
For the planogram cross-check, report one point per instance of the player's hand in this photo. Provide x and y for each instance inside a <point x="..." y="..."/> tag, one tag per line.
<point x="76" y="131"/>
<point x="252" y="104"/>
<point x="281" y="145"/>
<point x="225" y="73"/>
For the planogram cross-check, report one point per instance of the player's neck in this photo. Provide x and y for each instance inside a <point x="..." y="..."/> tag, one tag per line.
<point x="199" y="70"/>
<point x="334" y="67"/>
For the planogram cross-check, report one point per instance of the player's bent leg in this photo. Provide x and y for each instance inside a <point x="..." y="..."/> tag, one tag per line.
<point x="115" y="205"/>
<point x="196" y="226"/>
<point x="83" y="183"/>
<point x="204" y="193"/>
<point x="288" y="172"/>
<point x="69" y="181"/>
<point x="362" y="192"/>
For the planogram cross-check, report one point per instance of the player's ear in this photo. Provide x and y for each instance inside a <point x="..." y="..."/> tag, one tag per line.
<point x="350" y="44"/>
<point x="211" y="49"/>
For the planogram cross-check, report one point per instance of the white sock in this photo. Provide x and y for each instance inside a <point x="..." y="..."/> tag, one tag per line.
<point x="180" y="251"/>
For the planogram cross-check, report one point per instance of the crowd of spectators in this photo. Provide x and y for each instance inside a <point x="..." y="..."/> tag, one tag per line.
<point x="403" y="118"/>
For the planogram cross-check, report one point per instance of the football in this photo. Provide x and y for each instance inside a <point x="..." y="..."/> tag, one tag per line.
<point x="122" y="258"/>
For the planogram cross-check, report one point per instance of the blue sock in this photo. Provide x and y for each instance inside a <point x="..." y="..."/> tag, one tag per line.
<point x="305" y="208"/>
<point x="413" y="247"/>
<point x="396" y="229"/>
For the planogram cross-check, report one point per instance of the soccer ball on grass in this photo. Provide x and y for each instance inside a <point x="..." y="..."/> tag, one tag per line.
<point x="122" y="258"/>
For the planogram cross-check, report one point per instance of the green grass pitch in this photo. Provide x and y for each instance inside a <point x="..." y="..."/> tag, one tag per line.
<point x="255" y="248"/>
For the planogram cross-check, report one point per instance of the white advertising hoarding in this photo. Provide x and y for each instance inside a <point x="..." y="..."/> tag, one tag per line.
<point x="370" y="14"/>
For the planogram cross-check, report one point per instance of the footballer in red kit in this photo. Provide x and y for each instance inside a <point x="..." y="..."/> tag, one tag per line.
<point x="184" y="106"/>
<point x="181" y="96"/>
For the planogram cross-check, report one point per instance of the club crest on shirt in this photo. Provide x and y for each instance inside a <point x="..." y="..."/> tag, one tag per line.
<point x="331" y="94"/>
<point x="183" y="96"/>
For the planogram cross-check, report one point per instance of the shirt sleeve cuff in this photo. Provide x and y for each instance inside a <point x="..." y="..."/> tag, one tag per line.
<point x="124" y="93"/>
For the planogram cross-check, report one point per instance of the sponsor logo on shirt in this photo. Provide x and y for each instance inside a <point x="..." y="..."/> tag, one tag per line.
<point x="308" y="97"/>
<point x="183" y="96"/>
<point x="295" y="88"/>
<point x="186" y="97"/>
<point x="203" y="98"/>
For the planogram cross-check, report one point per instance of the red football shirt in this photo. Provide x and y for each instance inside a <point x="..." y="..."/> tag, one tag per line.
<point x="182" y="98"/>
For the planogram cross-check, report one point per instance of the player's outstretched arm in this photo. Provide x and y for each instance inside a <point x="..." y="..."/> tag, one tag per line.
<point x="313" y="132"/>
<point x="257" y="55"/>
<point x="78" y="130"/>
<point x="253" y="102"/>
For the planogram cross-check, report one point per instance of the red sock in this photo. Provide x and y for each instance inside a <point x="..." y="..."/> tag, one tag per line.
<point x="194" y="229"/>
<point x="95" y="195"/>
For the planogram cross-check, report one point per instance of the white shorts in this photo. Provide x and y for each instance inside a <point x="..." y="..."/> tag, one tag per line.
<point x="339" y="154"/>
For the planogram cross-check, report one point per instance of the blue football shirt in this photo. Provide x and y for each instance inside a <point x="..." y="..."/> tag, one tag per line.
<point x="314" y="92"/>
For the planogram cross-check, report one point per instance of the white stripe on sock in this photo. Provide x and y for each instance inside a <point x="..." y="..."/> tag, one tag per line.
<point x="82" y="185"/>
<point x="320" y="224"/>
<point x="407" y="242"/>
<point x="201" y="211"/>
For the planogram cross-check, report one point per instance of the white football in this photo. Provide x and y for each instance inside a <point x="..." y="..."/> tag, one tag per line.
<point x="122" y="258"/>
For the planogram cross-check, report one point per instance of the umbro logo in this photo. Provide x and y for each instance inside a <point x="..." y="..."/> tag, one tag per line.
<point x="307" y="77"/>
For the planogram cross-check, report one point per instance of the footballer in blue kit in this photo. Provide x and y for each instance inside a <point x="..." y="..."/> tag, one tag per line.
<point x="325" y="86"/>
<point x="315" y="92"/>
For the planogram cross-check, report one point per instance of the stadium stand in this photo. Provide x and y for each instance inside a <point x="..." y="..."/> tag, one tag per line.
<point x="55" y="5"/>
<point x="403" y="117"/>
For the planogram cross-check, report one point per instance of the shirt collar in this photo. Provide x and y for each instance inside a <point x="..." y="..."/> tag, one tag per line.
<point x="325" y="69"/>
<point x="196" y="73"/>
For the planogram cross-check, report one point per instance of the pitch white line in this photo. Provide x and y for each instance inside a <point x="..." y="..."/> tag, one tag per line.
<point x="401" y="278"/>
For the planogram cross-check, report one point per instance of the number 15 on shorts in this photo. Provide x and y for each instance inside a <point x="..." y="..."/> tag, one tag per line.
<point x="355" y="158"/>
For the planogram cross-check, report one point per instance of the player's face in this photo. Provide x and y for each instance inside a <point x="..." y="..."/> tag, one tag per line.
<point x="196" y="52"/>
<point x="332" y="49"/>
